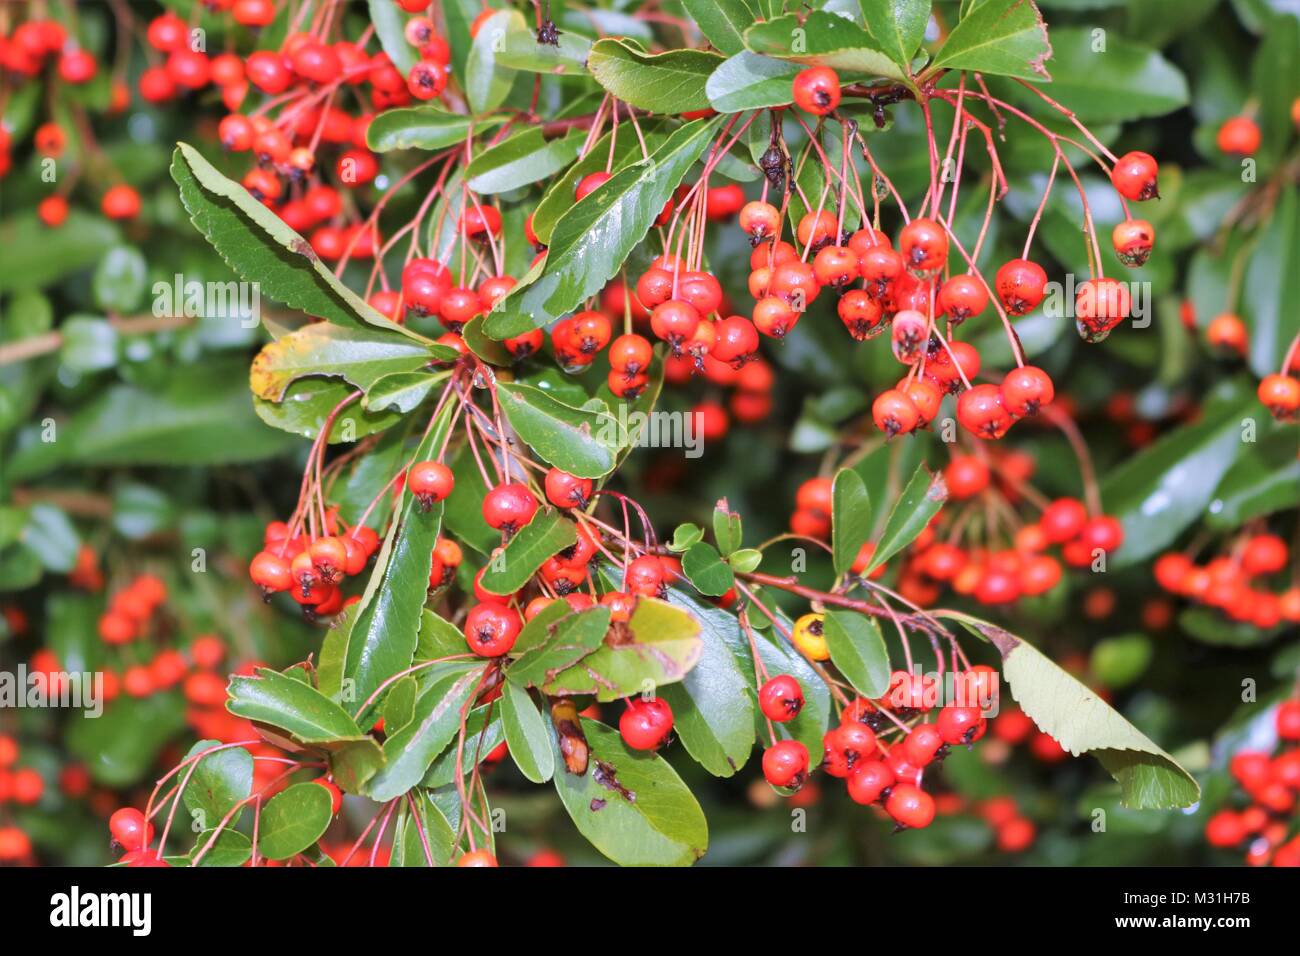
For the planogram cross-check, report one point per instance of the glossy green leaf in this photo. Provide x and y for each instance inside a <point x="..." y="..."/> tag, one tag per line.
<point x="229" y="848"/>
<point x="663" y="644"/>
<point x="521" y="50"/>
<point x="723" y="22"/>
<point x="487" y="83"/>
<point x="714" y="706"/>
<point x="850" y="518"/>
<point x="631" y="805"/>
<point x="308" y="402"/>
<point x="293" y="820"/>
<point x="728" y="531"/>
<point x="823" y="39"/>
<point x="382" y="639"/>
<point x="593" y="239"/>
<point x="858" y="650"/>
<point x="420" y="127"/>
<point x="390" y="26"/>
<point x="747" y="81"/>
<point x="898" y="26"/>
<point x="527" y="733"/>
<point x="919" y="502"/>
<point x="581" y="441"/>
<point x="1272" y="287"/>
<point x="1081" y="722"/>
<point x="303" y="712"/>
<point x="1167" y="486"/>
<point x="671" y="82"/>
<point x="705" y="569"/>
<point x="409" y="752"/>
<point x="545" y="536"/>
<point x="1124" y="81"/>
<point x="261" y="248"/>
<point x="361" y="356"/>
<point x="525" y="158"/>
<point x="554" y="640"/>
<point x="219" y="781"/>
<point x="1000" y="38"/>
<point x="1265" y="478"/>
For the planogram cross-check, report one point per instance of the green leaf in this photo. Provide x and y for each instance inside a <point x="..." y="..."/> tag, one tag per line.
<point x="1167" y="486"/>
<point x="521" y="50"/>
<point x="37" y="257"/>
<point x="850" y="518"/>
<point x="1274" y="78"/>
<point x="308" y="402"/>
<point x="119" y="280"/>
<point x="421" y="127"/>
<point x="527" y="734"/>
<point x="727" y="528"/>
<point x="1000" y="38"/>
<point x="591" y="242"/>
<point x="1124" y="81"/>
<point x="705" y="569"/>
<point x="52" y="537"/>
<point x="671" y="82"/>
<point x="663" y="646"/>
<point x="919" y="502"/>
<point x="1264" y="479"/>
<point x="823" y="39"/>
<point x="582" y="441"/>
<point x="120" y="746"/>
<point x="858" y="650"/>
<point x="402" y="392"/>
<point x="632" y="806"/>
<point x="714" y="706"/>
<point x="390" y="26"/>
<point x="1119" y="661"/>
<point x="258" y="245"/>
<point x="545" y="536"/>
<point x="745" y="560"/>
<point x="481" y="736"/>
<point x="290" y="705"/>
<point x="231" y="848"/>
<point x="1272" y="287"/>
<point x="201" y="415"/>
<point x="487" y="84"/>
<point x="525" y="158"/>
<point x="409" y="752"/>
<point x="360" y="356"/>
<point x="1082" y="722"/>
<point x="293" y="820"/>
<point x="898" y="26"/>
<point x="382" y="639"/>
<point x="554" y="640"/>
<point x="722" y="22"/>
<point x="219" y="782"/>
<point x="684" y="536"/>
<point x="748" y="81"/>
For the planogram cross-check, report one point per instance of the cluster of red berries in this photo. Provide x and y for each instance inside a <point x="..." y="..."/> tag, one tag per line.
<point x="1235" y="582"/>
<point x="311" y="567"/>
<point x="130" y="609"/>
<point x="24" y="786"/>
<point x="1271" y="780"/>
<point x="882" y="748"/>
<point x="1003" y="576"/>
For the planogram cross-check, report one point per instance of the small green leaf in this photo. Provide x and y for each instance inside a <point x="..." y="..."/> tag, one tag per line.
<point x="919" y="502"/>
<point x="545" y="536"/>
<point x="554" y="640"/>
<point x="727" y="528"/>
<point x="705" y="569"/>
<point x="120" y="280"/>
<point x="487" y="83"/>
<point x="293" y="820"/>
<point x="745" y="560"/>
<point x="858" y="650"/>
<point x="898" y="26"/>
<point x="219" y="781"/>
<point x="527" y="734"/>
<point x="722" y="22"/>
<point x="684" y="536"/>
<point x="421" y="127"/>
<point x="290" y="705"/>
<point x="823" y="39"/>
<point x="850" y="518"/>
<point x="525" y="158"/>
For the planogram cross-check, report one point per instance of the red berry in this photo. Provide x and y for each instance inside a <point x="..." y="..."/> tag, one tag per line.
<point x="910" y="806"/>
<point x="567" y="491"/>
<point x="780" y="698"/>
<point x="1063" y="519"/>
<point x="981" y="411"/>
<point x="923" y="244"/>
<point x="491" y="628"/>
<point x="961" y="297"/>
<point x="817" y="90"/>
<point x="1025" y="390"/>
<point x="1239" y="136"/>
<point x="960" y="725"/>
<point x="430" y="481"/>
<point x="645" y="575"/>
<point x="129" y="829"/>
<point x="1133" y="240"/>
<point x="894" y="413"/>
<point x="785" y="764"/>
<point x="509" y="507"/>
<point x="1020" y="285"/>
<point x="869" y="780"/>
<point x="589" y="184"/>
<point x="646" y="724"/>
<point x="922" y="744"/>
<point x="1134" y="176"/>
